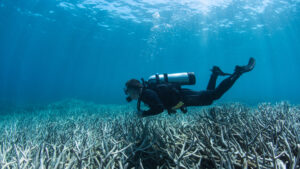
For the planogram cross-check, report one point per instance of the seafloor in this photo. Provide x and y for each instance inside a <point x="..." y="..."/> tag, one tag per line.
<point x="76" y="134"/>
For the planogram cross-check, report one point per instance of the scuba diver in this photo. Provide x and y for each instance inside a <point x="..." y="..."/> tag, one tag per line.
<point x="163" y="91"/>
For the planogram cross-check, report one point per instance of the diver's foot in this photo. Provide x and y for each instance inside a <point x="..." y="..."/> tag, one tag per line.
<point x="217" y="71"/>
<point x="246" y="68"/>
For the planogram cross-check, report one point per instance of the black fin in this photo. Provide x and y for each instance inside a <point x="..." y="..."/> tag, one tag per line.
<point x="217" y="71"/>
<point x="246" y="68"/>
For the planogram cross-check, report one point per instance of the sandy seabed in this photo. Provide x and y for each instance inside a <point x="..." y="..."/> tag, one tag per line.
<point x="77" y="134"/>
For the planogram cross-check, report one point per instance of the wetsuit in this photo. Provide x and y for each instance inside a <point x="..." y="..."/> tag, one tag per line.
<point x="158" y="101"/>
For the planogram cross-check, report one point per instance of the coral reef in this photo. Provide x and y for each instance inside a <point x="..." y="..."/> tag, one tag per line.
<point x="76" y="134"/>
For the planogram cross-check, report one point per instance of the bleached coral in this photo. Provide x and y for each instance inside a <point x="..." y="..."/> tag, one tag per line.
<point x="85" y="135"/>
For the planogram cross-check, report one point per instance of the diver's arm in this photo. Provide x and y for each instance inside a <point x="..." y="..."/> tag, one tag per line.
<point x="151" y="98"/>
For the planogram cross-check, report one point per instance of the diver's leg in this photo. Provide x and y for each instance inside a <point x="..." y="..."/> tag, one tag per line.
<point x="216" y="71"/>
<point x="195" y="98"/>
<point x="228" y="82"/>
<point x="225" y="85"/>
<point x="202" y="98"/>
<point x="212" y="82"/>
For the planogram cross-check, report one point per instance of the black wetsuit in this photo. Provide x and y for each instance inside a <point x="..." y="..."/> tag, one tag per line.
<point x="158" y="101"/>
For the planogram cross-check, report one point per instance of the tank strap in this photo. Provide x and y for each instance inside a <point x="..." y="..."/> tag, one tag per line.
<point x="143" y="82"/>
<point x="138" y="106"/>
<point x="157" y="78"/>
<point x="166" y="77"/>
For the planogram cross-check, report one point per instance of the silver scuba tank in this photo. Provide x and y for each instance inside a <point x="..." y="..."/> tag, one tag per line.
<point x="185" y="78"/>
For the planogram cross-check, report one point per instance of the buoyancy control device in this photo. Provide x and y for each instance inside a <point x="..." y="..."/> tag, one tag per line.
<point x="173" y="82"/>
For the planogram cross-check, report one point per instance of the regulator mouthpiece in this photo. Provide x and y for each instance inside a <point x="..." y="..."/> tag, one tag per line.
<point x="128" y="99"/>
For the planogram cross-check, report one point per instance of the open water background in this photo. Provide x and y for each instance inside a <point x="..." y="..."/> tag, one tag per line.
<point x="52" y="50"/>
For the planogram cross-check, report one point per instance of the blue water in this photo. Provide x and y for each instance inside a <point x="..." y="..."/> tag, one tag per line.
<point x="87" y="49"/>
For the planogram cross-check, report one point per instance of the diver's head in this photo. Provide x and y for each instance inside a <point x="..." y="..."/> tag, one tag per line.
<point x="133" y="89"/>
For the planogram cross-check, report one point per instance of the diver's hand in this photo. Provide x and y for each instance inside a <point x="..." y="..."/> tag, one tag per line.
<point x="139" y="114"/>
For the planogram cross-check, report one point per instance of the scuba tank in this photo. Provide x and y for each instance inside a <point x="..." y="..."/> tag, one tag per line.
<point x="185" y="78"/>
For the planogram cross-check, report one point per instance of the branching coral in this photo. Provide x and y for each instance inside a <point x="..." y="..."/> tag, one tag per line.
<point x="85" y="135"/>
